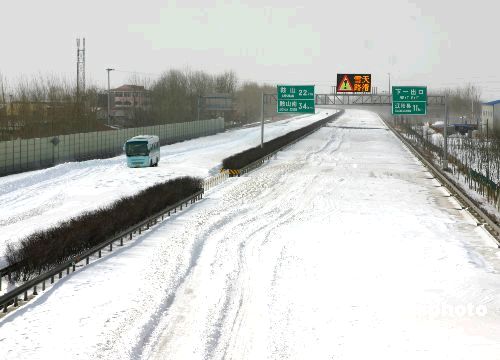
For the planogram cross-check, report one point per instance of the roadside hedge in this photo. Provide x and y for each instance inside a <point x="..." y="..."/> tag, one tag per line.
<point x="246" y="157"/>
<point x="43" y="250"/>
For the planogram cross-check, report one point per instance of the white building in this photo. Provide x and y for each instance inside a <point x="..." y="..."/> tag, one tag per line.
<point x="127" y="100"/>
<point x="490" y="117"/>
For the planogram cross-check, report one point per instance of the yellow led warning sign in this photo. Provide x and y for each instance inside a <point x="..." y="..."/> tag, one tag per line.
<point x="354" y="83"/>
<point x="345" y="84"/>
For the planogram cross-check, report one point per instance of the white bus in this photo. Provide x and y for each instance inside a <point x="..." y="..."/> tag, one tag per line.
<point x="142" y="151"/>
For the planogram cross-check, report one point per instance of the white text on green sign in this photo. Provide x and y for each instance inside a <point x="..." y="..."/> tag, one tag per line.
<point x="409" y="100"/>
<point x="295" y="92"/>
<point x="409" y="93"/>
<point x="298" y="106"/>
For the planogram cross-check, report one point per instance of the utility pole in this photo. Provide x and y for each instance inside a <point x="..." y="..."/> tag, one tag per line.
<point x="389" y="83"/>
<point x="472" y="111"/>
<point x="262" y="123"/>
<point x="3" y="93"/>
<point x="198" y="108"/>
<point x="109" y="95"/>
<point x="445" y="134"/>
<point x="80" y="69"/>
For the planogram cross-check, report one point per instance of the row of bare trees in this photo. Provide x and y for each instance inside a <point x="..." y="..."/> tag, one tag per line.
<point x="465" y="103"/>
<point x="45" y="106"/>
<point x="49" y="106"/>
<point x="177" y="96"/>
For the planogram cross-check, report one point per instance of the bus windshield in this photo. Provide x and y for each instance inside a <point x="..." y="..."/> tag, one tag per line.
<point x="137" y="148"/>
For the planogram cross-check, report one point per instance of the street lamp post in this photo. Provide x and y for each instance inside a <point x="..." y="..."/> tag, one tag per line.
<point x="445" y="134"/>
<point x="109" y="95"/>
<point x="262" y="123"/>
<point x="389" y="83"/>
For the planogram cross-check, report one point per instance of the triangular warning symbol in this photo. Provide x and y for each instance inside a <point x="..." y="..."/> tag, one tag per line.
<point x="345" y="84"/>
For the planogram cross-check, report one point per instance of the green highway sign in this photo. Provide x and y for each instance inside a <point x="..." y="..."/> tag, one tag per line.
<point x="295" y="92"/>
<point x="296" y="106"/>
<point x="409" y="100"/>
<point x="295" y="99"/>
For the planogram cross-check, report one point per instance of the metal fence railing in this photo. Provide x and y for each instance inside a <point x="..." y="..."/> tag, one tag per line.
<point x="31" y="287"/>
<point x="30" y="154"/>
<point x="466" y="202"/>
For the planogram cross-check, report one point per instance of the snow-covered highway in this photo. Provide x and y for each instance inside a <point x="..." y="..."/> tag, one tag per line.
<point x="341" y="247"/>
<point x="36" y="200"/>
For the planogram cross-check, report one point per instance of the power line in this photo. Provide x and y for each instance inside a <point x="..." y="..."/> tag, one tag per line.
<point x="138" y="72"/>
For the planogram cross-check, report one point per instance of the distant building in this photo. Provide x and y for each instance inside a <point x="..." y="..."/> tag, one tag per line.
<point x="127" y="100"/>
<point x="490" y="117"/>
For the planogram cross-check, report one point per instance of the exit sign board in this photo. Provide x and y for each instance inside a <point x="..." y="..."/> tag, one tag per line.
<point x="295" y="99"/>
<point x="409" y="100"/>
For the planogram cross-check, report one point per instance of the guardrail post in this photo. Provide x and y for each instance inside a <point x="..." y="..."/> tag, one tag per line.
<point x="15" y="301"/>
<point x="26" y="295"/>
<point x="99" y="254"/>
<point x="43" y="285"/>
<point x="110" y="246"/>
<point x="181" y="206"/>
<point x="74" y="267"/>
<point x="34" y="291"/>
<point x="140" y="230"/>
<point x="5" y="308"/>
<point x="87" y="261"/>
<point x="121" y="241"/>
<point x="67" y="270"/>
<point x="52" y="279"/>
<point x="130" y="236"/>
<point x="60" y="274"/>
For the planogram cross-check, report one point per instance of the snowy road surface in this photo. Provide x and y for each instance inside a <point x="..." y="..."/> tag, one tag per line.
<point x="39" y="199"/>
<point x="339" y="248"/>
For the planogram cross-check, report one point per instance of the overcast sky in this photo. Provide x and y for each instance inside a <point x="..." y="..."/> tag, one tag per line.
<point x="428" y="42"/>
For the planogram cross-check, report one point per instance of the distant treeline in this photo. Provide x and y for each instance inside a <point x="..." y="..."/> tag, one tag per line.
<point x="465" y="102"/>
<point x="43" y="106"/>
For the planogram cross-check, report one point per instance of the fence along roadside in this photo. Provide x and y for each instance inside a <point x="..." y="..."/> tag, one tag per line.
<point x="30" y="154"/>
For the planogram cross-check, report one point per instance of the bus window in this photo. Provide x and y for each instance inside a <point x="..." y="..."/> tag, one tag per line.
<point x="136" y="148"/>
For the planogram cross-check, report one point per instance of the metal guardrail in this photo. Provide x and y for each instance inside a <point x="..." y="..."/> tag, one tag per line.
<point x="254" y="165"/>
<point x="467" y="204"/>
<point x="213" y="181"/>
<point x="12" y="297"/>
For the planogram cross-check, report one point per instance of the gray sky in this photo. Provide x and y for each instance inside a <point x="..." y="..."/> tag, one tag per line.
<point x="428" y="42"/>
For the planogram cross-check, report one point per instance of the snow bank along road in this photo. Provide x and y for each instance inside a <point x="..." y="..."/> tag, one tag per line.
<point x="39" y="199"/>
<point x="339" y="248"/>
